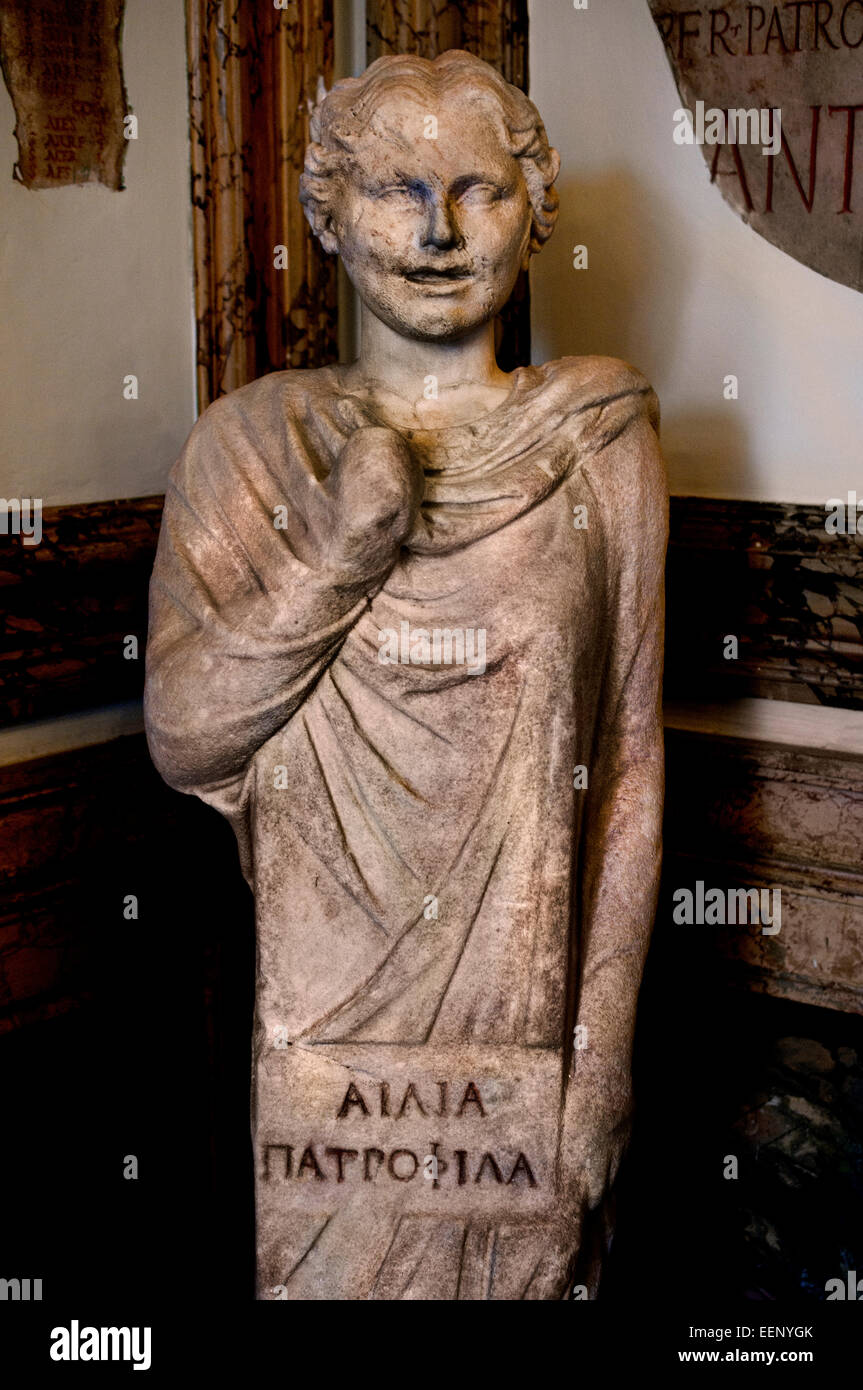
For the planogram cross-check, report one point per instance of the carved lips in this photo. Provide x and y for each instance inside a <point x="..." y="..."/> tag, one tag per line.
<point x="442" y="279"/>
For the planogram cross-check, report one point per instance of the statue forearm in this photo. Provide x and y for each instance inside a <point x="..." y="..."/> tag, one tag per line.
<point x="225" y="674"/>
<point x="213" y="696"/>
<point x="622" y="834"/>
<point x="618" y="908"/>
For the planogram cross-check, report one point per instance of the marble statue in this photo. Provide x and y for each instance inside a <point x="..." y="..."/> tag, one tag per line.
<point x="406" y="634"/>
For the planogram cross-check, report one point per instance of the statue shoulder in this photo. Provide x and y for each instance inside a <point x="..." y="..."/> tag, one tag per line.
<point x="596" y="380"/>
<point x="270" y="397"/>
<point x="251" y="422"/>
<point x="619" y="440"/>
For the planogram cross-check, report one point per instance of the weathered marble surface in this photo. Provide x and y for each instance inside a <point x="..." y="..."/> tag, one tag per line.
<point x="253" y="73"/>
<point x="495" y="30"/>
<point x="451" y="924"/>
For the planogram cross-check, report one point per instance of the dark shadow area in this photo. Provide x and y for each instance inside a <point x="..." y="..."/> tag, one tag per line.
<point x="775" y="1084"/>
<point x="154" y="1064"/>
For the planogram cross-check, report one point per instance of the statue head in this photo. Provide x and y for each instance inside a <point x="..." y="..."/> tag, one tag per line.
<point x="434" y="181"/>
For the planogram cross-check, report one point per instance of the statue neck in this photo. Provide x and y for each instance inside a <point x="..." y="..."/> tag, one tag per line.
<point x="419" y="384"/>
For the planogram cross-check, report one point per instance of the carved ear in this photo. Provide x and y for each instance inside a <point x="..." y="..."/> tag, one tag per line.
<point x="326" y="235"/>
<point x="321" y="224"/>
<point x="316" y="190"/>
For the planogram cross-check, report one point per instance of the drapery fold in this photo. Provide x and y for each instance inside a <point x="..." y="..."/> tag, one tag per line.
<point x="434" y="894"/>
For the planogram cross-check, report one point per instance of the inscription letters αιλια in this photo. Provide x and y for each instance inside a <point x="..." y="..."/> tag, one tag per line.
<point x="411" y="1103"/>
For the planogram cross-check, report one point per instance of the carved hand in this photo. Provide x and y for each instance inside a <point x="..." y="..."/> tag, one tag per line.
<point x="596" y="1130"/>
<point x="373" y="494"/>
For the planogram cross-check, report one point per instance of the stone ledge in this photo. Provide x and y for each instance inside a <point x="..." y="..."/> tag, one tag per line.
<point x="765" y="794"/>
<point x="45" y="738"/>
<point x="783" y="723"/>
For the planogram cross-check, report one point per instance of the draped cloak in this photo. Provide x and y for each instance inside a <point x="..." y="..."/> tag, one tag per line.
<point x="414" y="828"/>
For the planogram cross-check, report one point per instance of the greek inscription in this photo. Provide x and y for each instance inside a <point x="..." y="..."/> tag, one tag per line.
<point x="412" y="1101"/>
<point x="401" y="1165"/>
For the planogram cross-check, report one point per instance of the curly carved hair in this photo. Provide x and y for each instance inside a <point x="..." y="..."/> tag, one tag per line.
<point x="350" y="104"/>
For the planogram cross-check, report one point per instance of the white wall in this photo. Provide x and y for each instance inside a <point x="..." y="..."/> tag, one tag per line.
<point x="678" y="284"/>
<point x="96" y="284"/>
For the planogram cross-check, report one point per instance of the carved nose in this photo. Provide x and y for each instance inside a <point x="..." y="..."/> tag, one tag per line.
<point x="441" y="230"/>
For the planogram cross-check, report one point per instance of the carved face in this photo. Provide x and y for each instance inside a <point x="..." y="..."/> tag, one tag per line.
<point x="434" y="219"/>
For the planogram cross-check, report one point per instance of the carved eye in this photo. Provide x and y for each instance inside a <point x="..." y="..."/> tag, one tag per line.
<point x="481" y="194"/>
<point x="397" y="190"/>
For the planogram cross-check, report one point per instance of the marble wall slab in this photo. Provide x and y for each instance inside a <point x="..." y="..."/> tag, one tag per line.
<point x="253" y="70"/>
<point x="769" y="574"/>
